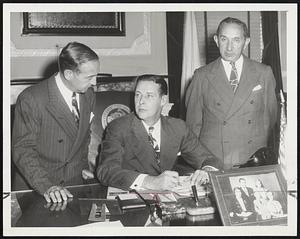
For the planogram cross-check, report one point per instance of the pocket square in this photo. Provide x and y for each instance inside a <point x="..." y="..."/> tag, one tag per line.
<point x="258" y="87"/>
<point x="91" y="116"/>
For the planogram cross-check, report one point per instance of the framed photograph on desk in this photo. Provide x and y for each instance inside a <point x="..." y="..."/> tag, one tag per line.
<point x="251" y="196"/>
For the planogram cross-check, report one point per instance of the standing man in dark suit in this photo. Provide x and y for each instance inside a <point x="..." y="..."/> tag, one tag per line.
<point x="247" y="193"/>
<point x="140" y="150"/>
<point x="231" y="102"/>
<point x="51" y="129"/>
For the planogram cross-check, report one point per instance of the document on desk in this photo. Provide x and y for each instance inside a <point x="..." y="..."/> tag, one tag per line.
<point x="106" y="223"/>
<point x="184" y="187"/>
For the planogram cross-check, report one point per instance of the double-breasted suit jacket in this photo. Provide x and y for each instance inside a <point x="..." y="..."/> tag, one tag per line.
<point x="232" y="125"/>
<point x="126" y="151"/>
<point x="48" y="148"/>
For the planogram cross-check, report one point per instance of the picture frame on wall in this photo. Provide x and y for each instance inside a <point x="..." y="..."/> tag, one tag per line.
<point x="74" y="23"/>
<point x="254" y="196"/>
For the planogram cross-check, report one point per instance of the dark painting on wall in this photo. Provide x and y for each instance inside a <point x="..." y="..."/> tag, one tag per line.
<point x="74" y="23"/>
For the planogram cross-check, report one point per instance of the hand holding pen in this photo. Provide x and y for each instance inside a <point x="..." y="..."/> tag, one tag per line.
<point x="199" y="177"/>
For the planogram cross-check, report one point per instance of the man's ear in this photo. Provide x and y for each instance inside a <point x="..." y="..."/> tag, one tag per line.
<point x="247" y="41"/>
<point x="68" y="74"/>
<point x="164" y="100"/>
<point x="216" y="40"/>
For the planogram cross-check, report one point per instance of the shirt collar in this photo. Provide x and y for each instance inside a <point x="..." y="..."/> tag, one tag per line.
<point x="238" y="62"/>
<point x="155" y="126"/>
<point x="65" y="91"/>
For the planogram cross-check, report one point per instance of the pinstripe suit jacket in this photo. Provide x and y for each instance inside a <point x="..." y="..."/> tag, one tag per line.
<point x="232" y="126"/>
<point x="48" y="148"/>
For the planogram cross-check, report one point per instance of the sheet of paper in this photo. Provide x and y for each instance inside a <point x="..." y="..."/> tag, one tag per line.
<point x="166" y="197"/>
<point x="128" y="196"/>
<point x="106" y="223"/>
<point x="113" y="192"/>
<point x="184" y="187"/>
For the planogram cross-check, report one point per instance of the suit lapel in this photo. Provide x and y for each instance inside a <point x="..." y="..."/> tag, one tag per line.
<point x="217" y="77"/>
<point x="60" y="110"/>
<point x="83" y="123"/>
<point x="141" y="147"/>
<point x="168" y="150"/>
<point x="247" y="82"/>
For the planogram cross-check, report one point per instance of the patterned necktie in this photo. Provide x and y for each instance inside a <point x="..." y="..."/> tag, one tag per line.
<point x="233" y="77"/>
<point x="75" y="109"/>
<point x="154" y="144"/>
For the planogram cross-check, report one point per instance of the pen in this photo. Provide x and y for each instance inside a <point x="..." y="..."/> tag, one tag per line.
<point x="195" y="194"/>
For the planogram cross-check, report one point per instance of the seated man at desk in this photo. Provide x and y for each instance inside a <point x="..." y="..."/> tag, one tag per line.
<point x="140" y="149"/>
<point x="51" y="129"/>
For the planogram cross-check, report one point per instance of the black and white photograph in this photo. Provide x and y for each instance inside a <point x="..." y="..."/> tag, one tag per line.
<point x="110" y="108"/>
<point x="253" y="196"/>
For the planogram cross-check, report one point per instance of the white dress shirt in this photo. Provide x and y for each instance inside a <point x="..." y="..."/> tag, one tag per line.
<point x="66" y="93"/>
<point x="238" y="66"/>
<point x="137" y="184"/>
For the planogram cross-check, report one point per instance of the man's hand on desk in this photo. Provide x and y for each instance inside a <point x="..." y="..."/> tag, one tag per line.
<point x="56" y="206"/>
<point x="199" y="177"/>
<point x="57" y="194"/>
<point x="164" y="181"/>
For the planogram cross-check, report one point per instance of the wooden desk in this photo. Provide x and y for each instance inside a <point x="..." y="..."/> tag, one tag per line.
<point x="31" y="210"/>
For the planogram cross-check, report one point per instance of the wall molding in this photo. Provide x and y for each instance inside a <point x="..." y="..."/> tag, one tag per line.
<point x="140" y="46"/>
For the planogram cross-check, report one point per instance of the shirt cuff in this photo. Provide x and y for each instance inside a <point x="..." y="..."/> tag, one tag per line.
<point x="209" y="168"/>
<point x="138" y="182"/>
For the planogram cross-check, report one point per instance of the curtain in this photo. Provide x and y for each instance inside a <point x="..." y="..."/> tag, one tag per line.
<point x="271" y="57"/>
<point x="191" y="56"/>
<point x="271" y="54"/>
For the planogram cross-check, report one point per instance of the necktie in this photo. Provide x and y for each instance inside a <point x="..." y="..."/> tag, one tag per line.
<point x="233" y="77"/>
<point x="75" y="109"/>
<point x="154" y="144"/>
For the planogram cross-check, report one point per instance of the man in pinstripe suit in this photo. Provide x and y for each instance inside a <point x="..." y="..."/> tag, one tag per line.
<point x="51" y="129"/>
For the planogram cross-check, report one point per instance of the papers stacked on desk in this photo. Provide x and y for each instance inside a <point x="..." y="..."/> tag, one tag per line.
<point x="184" y="188"/>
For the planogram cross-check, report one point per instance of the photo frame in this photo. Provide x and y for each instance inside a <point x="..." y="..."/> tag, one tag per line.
<point x="74" y="23"/>
<point x="253" y="196"/>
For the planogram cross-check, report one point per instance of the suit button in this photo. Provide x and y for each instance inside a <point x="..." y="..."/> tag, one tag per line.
<point x="61" y="182"/>
<point x="66" y="163"/>
<point x="218" y="104"/>
<point x="249" y="121"/>
<point x="60" y="140"/>
<point x="250" y="141"/>
<point x="251" y="102"/>
<point x="224" y="122"/>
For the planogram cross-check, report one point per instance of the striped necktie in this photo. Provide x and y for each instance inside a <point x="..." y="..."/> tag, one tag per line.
<point x="154" y="144"/>
<point x="75" y="109"/>
<point x="233" y="80"/>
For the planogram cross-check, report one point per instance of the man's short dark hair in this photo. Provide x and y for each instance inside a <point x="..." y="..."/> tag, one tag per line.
<point x="236" y="21"/>
<point x="163" y="87"/>
<point x="75" y="54"/>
